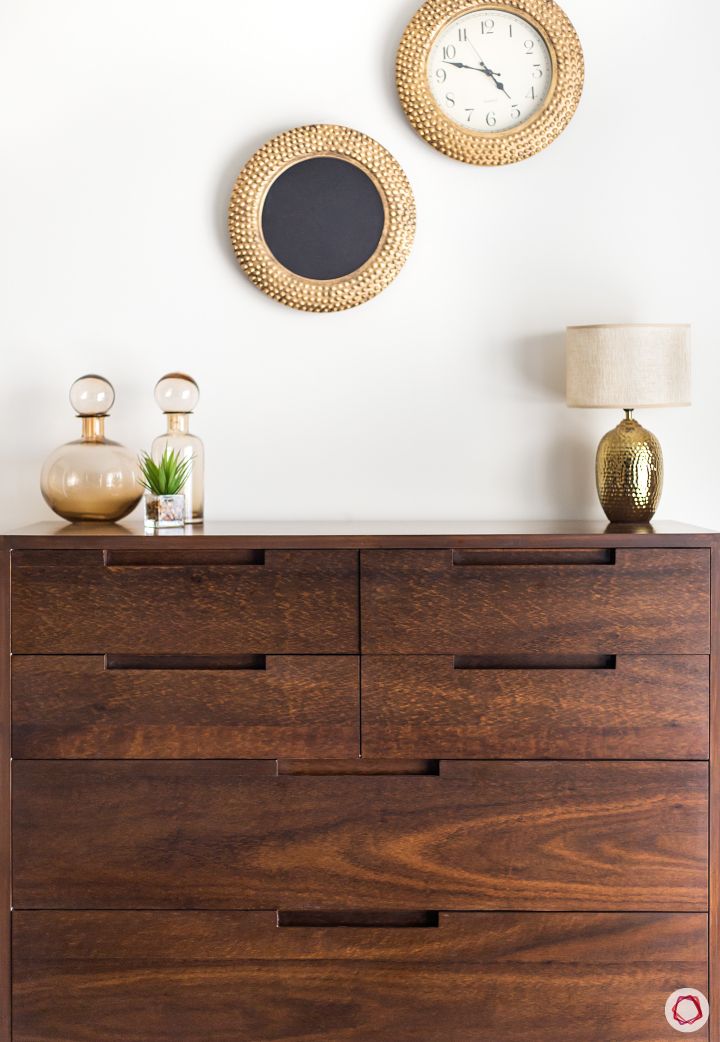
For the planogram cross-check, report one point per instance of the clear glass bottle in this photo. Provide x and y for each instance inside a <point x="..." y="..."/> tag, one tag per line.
<point x="177" y="395"/>
<point x="93" y="478"/>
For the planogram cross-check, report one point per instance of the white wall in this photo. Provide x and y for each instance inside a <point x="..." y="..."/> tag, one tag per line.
<point x="123" y="124"/>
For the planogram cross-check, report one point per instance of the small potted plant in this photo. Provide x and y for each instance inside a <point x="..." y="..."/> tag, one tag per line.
<point x="163" y="482"/>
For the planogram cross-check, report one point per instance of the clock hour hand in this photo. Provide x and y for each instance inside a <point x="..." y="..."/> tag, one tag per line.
<point x="462" y="65"/>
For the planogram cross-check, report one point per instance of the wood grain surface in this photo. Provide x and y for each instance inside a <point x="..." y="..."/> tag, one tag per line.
<point x="208" y="859"/>
<point x="647" y="707"/>
<point x="71" y="602"/>
<point x="67" y="706"/>
<point x="714" y="995"/>
<point x="236" y="977"/>
<point x="5" y="809"/>
<point x="130" y="533"/>
<point x="650" y="601"/>
<point x="218" y="834"/>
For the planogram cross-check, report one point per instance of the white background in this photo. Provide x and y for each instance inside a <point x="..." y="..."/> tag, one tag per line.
<point x="123" y="125"/>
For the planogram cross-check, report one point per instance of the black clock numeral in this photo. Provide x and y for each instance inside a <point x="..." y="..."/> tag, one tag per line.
<point x="491" y="119"/>
<point x="449" y="52"/>
<point x="462" y="35"/>
<point x="441" y="75"/>
<point x="450" y="99"/>
<point x="487" y="26"/>
<point x="537" y="72"/>
<point x="531" y="94"/>
<point x="510" y="30"/>
<point x="470" y="114"/>
<point x="529" y="46"/>
<point x="515" y="112"/>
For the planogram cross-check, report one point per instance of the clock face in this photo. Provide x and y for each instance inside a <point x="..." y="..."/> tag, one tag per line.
<point x="490" y="71"/>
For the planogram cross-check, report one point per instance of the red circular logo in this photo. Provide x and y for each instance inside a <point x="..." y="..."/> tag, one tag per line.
<point x="687" y="1010"/>
<point x="684" y="1017"/>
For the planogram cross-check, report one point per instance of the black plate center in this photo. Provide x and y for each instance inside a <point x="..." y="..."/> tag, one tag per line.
<point x="323" y="218"/>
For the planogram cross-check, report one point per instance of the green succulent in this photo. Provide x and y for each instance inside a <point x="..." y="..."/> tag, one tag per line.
<point x="167" y="477"/>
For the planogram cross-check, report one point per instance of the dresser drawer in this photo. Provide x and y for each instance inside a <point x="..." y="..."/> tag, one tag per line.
<point x="626" y="601"/>
<point x="632" y="707"/>
<point x="182" y="601"/>
<point x="237" y="976"/>
<point x="205" y="834"/>
<point x="95" y="707"/>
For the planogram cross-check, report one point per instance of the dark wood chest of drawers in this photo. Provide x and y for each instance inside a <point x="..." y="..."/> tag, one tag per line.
<point x="295" y="787"/>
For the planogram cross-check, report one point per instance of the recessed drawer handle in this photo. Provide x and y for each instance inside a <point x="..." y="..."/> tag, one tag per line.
<point x="183" y="558"/>
<point x="359" y="768"/>
<point x="535" y="662"/>
<point x="258" y="662"/>
<point x="360" y="920"/>
<point x="503" y="558"/>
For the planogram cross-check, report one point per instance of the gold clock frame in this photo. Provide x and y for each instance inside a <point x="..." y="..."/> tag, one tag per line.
<point x="485" y="148"/>
<point x="248" y="198"/>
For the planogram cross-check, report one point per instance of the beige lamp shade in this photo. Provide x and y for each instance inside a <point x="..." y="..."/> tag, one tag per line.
<point x="628" y="367"/>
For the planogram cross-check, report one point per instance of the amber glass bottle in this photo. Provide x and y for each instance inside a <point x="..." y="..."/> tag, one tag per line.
<point x="93" y="478"/>
<point x="177" y="395"/>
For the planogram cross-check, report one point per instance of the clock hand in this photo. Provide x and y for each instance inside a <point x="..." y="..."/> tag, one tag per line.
<point x="461" y="65"/>
<point x="488" y="72"/>
<point x="492" y="75"/>
<point x="484" y="69"/>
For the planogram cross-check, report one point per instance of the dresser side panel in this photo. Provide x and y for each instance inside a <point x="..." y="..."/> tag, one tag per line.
<point x="714" y="881"/>
<point x="5" y="815"/>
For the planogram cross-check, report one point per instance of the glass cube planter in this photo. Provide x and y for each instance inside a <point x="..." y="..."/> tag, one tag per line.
<point x="164" y="511"/>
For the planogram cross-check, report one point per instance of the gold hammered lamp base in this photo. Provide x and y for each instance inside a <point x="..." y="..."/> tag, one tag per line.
<point x="629" y="473"/>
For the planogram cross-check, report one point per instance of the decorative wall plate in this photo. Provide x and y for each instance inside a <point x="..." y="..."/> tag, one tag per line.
<point x="490" y="83"/>
<point x="322" y="218"/>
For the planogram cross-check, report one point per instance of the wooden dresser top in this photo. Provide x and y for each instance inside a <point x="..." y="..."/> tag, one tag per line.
<point x="360" y="534"/>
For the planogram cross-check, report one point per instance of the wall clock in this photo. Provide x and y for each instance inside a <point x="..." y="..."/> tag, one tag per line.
<point x="490" y="83"/>
<point x="322" y="218"/>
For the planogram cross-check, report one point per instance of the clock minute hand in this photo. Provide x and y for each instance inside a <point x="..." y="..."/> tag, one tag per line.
<point x="492" y="75"/>
<point x="489" y="72"/>
<point x="501" y="87"/>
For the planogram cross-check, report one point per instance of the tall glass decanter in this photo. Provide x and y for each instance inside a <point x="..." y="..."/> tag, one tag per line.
<point x="93" y="478"/>
<point x="177" y="395"/>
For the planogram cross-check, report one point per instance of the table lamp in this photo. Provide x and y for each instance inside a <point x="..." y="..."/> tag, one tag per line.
<point x="628" y="367"/>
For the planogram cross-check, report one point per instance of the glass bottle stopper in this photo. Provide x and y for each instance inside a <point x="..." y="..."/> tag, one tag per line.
<point x="177" y="392"/>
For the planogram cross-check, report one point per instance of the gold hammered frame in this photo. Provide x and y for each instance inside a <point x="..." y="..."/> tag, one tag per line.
<point x="248" y="198"/>
<point x="481" y="147"/>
